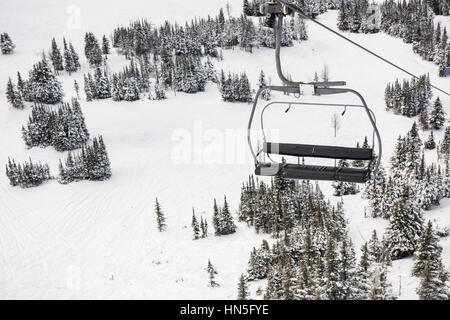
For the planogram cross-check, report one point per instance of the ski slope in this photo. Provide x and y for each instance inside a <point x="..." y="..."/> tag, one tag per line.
<point x="91" y="240"/>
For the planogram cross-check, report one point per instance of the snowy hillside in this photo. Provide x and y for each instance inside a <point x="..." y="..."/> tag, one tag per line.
<point x="99" y="239"/>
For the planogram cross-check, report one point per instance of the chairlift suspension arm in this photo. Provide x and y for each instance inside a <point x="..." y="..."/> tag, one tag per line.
<point x="286" y="8"/>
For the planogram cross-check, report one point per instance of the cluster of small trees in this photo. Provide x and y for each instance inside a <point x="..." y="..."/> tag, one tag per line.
<point x="222" y="219"/>
<point x="410" y="98"/>
<point x="235" y="87"/>
<point x="201" y="36"/>
<point x="189" y="75"/>
<point x="97" y="86"/>
<point x="6" y="44"/>
<point x="436" y="119"/>
<point x="92" y="163"/>
<point x="64" y="129"/>
<point x="353" y="16"/>
<point x="278" y="206"/>
<point x="68" y="61"/>
<point x="41" y="87"/>
<point x="410" y="20"/>
<point x="413" y="22"/>
<point x="316" y="260"/>
<point x="411" y="188"/>
<point x="28" y="174"/>
<point x="199" y="230"/>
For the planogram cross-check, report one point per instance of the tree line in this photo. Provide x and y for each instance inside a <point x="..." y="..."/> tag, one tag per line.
<point x="410" y="20"/>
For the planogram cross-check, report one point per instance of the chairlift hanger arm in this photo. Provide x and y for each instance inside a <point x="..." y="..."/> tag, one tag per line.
<point x="280" y="8"/>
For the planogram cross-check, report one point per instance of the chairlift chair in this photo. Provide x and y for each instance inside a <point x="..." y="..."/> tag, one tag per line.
<point x="276" y="10"/>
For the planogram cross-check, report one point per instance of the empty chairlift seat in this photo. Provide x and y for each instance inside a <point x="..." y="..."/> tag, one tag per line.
<point x="312" y="172"/>
<point x="318" y="151"/>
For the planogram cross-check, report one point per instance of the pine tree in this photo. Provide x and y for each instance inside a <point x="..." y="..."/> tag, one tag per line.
<point x="380" y="288"/>
<point x="424" y="122"/>
<point x="374" y="248"/>
<point x="204" y="227"/>
<point x="363" y="272"/>
<point x="228" y="225"/>
<point x="428" y="252"/>
<point x="6" y="44"/>
<point x="242" y="288"/>
<point x="71" y="63"/>
<point x="195" y="227"/>
<point x="430" y="144"/>
<point x="160" y="218"/>
<point x="332" y="289"/>
<point x="28" y="174"/>
<point x="43" y="86"/>
<point x="431" y="287"/>
<point x="13" y="96"/>
<point x="216" y="219"/>
<point x="77" y="88"/>
<point x="437" y="115"/>
<point x="92" y="50"/>
<point x="266" y="95"/>
<point x="405" y="225"/>
<point x="75" y="58"/>
<point x="342" y="17"/>
<point x="105" y="45"/>
<point x="56" y="57"/>
<point x="244" y="91"/>
<point x="445" y="144"/>
<point x="288" y="281"/>
<point x="212" y="275"/>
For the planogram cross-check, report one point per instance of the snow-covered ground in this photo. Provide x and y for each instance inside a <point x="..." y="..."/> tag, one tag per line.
<point x="99" y="239"/>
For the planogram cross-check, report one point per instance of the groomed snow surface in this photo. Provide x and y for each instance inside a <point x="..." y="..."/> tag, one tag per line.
<point x="99" y="239"/>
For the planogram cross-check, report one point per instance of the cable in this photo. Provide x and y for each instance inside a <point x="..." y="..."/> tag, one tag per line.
<point x="303" y="15"/>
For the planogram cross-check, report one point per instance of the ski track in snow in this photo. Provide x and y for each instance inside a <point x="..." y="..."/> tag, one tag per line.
<point x="106" y="231"/>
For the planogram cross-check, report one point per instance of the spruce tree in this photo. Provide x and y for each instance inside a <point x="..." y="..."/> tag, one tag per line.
<point x="160" y="218"/>
<point x="405" y="225"/>
<point x="380" y="288"/>
<point x="242" y="288"/>
<point x="195" y="226"/>
<point x="437" y="115"/>
<point x="431" y="285"/>
<point x="92" y="50"/>
<point x="6" y="44"/>
<point x="56" y="57"/>
<point x="266" y="95"/>
<point x="105" y="45"/>
<point x="428" y="252"/>
<point x="13" y="96"/>
<point x="430" y="144"/>
<point x="43" y="86"/>
<point x="424" y="121"/>
<point x="212" y="275"/>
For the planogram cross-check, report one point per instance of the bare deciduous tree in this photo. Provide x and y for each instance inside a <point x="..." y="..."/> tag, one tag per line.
<point x="325" y="73"/>
<point x="336" y="123"/>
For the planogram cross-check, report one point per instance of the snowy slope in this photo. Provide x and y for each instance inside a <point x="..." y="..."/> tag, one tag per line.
<point x="99" y="239"/>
